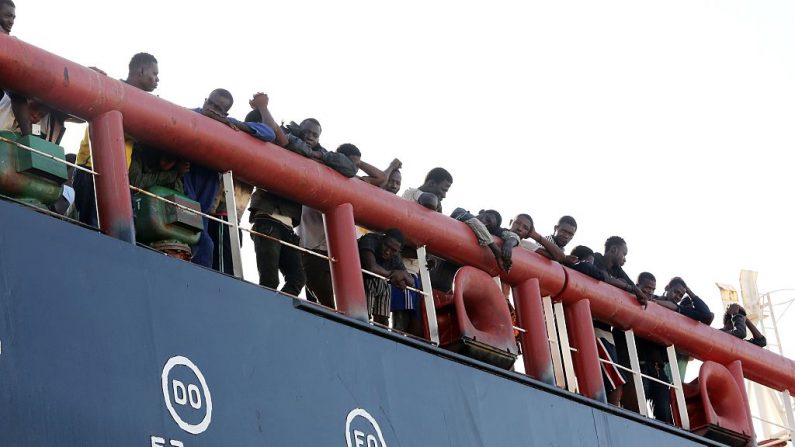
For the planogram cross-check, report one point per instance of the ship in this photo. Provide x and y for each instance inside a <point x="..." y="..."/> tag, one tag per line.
<point x="104" y="341"/>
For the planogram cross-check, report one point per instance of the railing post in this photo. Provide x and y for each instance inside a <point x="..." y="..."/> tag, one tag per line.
<point x="114" y="203"/>
<point x="586" y="360"/>
<point x="427" y="297"/>
<point x="565" y="347"/>
<point x="346" y="271"/>
<point x="676" y="380"/>
<point x="554" y="341"/>
<point x="535" y="344"/>
<point x="232" y="218"/>
<point x="637" y="379"/>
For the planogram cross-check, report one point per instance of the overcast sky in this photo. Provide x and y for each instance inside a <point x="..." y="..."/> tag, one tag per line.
<point x="667" y="123"/>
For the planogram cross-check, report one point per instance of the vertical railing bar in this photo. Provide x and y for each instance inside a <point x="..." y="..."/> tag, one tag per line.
<point x="676" y="379"/>
<point x="565" y="348"/>
<point x="557" y="360"/>
<point x="785" y="395"/>
<point x="430" y="307"/>
<point x="231" y="215"/>
<point x="637" y="380"/>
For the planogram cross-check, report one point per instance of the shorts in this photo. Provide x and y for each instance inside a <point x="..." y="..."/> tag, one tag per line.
<point x="612" y="374"/>
<point x="379" y="298"/>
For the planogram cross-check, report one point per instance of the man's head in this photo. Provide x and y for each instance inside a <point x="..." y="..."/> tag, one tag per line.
<point x="491" y="219"/>
<point x="392" y="243"/>
<point x="8" y="13"/>
<point x="143" y="72"/>
<point x="564" y="231"/>
<point x="437" y="182"/>
<point x="615" y="251"/>
<point x="583" y="253"/>
<point x="218" y="103"/>
<point x="37" y="110"/>
<point x="394" y="181"/>
<point x="522" y="225"/>
<point x="676" y="289"/>
<point x="647" y="283"/>
<point x="309" y="131"/>
<point x="351" y="152"/>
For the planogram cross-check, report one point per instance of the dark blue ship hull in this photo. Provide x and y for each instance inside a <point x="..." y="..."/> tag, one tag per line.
<point x="107" y="344"/>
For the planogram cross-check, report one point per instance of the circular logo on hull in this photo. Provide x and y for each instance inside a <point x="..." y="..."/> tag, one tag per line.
<point x="362" y="430"/>
<point x="186" y="394"/>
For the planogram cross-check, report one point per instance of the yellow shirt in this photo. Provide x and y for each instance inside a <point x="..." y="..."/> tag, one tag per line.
<point x="84" y="153"/>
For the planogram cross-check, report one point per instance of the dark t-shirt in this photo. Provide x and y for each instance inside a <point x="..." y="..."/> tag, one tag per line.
<point x="372" y="242"/>
<point x="615" y="272"/>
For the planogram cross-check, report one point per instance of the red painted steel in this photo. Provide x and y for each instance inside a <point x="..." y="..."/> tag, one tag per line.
<point x="663" y="326"/>
<point x="535" y="345"/>
<point x="346" y="274"/>
<point x="586" y="358"/>
<point x="481" y="311"/>
<point x="112" y="181"/>
<point x="87" y="94"/>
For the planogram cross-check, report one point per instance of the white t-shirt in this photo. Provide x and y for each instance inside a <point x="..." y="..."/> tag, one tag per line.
<point x="68" y="194"/>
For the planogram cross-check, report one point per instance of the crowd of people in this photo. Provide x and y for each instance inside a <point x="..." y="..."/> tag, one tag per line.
<point x="386" y="253"/>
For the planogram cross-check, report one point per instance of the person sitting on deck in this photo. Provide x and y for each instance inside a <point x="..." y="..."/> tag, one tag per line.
<point x="312" y="234"/>
<point x="142" y="74"/>
<point x="433" y="190"/>
<point x="562" y="235"/>
<point x="204" y="185"/>
<point x="610" y="265"/>
<point x="276" y="216"/>
<point x="380" y="254"/>
<point x="736" y="322"/>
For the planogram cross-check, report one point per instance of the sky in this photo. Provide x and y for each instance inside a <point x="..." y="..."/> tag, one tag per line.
<point x="666" y="123"/>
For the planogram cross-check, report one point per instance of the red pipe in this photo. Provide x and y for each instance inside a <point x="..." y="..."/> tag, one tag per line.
<point x="586" y="359"/>
<point x="535" y="345"/>
<point x="87" y="94"/>
<point x="666" y="327"/>
<point x="346" y="274"/>
<point x="110" y="162"/>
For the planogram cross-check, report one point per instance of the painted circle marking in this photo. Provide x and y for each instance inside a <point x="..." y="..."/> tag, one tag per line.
<point x="361" y="412"/>
<point x="190" y="428"/>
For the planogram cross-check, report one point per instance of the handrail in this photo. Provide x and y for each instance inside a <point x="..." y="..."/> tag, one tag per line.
<point x="87" y="94"/>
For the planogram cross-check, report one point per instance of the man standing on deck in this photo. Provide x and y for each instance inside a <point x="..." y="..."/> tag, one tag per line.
<point x="610" y="264"/>
<point x="203" y="184"/>
<point x="312" y="234"/>
<point x="276" y="216"/>
<point x="654" y="357"/>
<point x="142" y="74"/>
